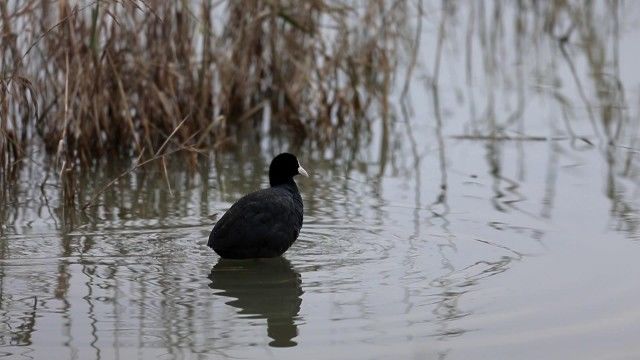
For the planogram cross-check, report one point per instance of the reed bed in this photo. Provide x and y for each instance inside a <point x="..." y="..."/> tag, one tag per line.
<point x="117" y="78"/>
<point x="139" y="79"/>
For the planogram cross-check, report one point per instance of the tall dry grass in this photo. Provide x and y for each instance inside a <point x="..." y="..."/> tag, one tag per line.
<point x="117" y="77"/>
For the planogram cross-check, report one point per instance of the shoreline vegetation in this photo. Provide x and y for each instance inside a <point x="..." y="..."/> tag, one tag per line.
<point x="87" y="80"/>
<point x="107" y="78"/>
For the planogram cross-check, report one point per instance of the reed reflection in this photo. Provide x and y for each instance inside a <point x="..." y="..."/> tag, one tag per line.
<point x="262" y="289"/>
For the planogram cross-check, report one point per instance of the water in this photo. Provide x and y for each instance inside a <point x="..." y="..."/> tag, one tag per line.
<point x="416" y="243"/>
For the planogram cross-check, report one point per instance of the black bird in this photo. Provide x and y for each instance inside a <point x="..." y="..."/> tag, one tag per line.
<point x="264" y="223"/>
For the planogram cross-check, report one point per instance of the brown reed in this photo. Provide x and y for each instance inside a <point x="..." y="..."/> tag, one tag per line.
<point x="113" y="77"/>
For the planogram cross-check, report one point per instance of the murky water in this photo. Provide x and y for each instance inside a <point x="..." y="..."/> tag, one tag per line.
<point x="417" y="243"/>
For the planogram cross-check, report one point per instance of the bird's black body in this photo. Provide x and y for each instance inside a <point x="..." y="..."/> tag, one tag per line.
<point x="264" y="223"/>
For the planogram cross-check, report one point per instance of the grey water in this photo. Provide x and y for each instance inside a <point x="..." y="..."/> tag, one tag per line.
<point x="496" y="217"/>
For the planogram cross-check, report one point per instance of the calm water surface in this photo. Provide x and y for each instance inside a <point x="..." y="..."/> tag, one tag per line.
<point x="416" y="243"/>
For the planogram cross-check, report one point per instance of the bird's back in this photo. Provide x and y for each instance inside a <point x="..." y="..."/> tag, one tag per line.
<point x="261" y="224"/>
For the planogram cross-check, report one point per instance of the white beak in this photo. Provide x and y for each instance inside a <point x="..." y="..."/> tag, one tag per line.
<point x="302" y="171"/>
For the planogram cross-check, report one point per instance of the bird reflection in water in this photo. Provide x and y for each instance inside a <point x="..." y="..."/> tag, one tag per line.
<point x="263" y="289"/>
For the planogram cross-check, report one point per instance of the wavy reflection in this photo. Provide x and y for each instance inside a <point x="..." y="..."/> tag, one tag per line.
<point x="263" y="289"/>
